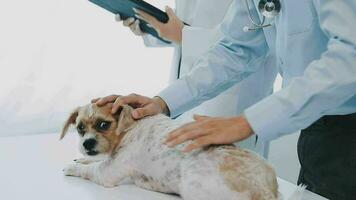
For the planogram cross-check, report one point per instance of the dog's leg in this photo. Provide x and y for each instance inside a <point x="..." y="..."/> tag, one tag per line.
<point x="99" y="172"/>
<point x="88" y="160"/>
<point x="84" y="160"/>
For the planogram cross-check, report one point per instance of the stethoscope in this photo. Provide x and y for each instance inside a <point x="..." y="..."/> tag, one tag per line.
<point x="269" y="9"/>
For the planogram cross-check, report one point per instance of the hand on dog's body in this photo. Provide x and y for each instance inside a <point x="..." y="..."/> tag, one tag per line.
<point x="203" y="131"/>
<point x="136" y="151"/>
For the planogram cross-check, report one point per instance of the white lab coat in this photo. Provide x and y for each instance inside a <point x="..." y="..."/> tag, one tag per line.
<point x="204" y="17"/>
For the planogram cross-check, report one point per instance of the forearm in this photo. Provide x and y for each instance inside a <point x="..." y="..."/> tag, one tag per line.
<point x="163" y="105"/>
<point x="215" y="72"/>
<point x="326" y="85"/>
<point x="232" y="59"/>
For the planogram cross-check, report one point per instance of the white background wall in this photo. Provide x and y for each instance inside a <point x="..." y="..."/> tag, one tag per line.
<point x="283" y="156"/>
<point x="57" y="54"/>
<point x="283" y="151"/>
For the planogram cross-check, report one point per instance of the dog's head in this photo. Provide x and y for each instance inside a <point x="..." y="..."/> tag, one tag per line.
<point x="100" y="131"/>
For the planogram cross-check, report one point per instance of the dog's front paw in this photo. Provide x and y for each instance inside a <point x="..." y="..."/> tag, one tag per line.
<point x="84" y="161"/>
<point x="72" y="170"/>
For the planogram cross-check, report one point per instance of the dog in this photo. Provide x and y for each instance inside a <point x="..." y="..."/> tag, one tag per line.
<point x="118" y="149"/>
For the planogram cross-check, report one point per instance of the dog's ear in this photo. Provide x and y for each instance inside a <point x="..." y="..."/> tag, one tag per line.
<point x="124" y="119"/>
<point x="71" y="120"/>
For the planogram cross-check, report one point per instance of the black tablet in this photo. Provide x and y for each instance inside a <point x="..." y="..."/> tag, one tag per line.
<point x="125" y="9"/>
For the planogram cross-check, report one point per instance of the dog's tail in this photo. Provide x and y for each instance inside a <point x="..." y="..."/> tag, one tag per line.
<point x="297" y="194"/>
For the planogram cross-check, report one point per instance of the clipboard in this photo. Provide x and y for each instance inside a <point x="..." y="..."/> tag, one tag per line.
<point x="125" y="9"/>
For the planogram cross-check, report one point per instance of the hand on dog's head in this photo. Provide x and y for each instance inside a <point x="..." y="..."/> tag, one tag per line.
<point x="99" y="130"/>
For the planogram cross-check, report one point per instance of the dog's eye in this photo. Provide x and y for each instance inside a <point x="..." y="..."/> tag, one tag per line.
<point x="81" y="128"/>
<point x="103" y="125"/>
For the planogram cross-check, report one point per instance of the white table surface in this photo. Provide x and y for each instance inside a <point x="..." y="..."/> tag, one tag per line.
<point x="31" y="168"/>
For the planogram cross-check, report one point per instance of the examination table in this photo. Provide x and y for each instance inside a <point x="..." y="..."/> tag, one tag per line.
<point x="31" y="169"/>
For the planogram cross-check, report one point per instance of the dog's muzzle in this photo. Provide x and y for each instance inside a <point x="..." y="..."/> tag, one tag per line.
<point x="89" y="146"/>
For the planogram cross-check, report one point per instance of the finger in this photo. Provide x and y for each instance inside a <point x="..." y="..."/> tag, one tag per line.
<point x="135" y="27"/>
<point x="117" y="104"/>
<point x="95" y="100"/>
<point x="194" y="134"/>
<point x="130" y="99"/>
<point x="200" y="117"/>
<point x="105" y="100"/>
<point x="129" y="21"/>
<point x="140" y="113"/>
<point x="118" y="18"/>
<point x="198" y="143"/>
<point x="138" y="30"/>
<point x="148" y="18"/>
<point x="170" y="12"/>
<point x="176" y="133"/>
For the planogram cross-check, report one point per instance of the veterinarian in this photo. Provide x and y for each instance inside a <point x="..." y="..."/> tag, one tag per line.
<point x="315" y="45"/>
<point x="190" y="42"/>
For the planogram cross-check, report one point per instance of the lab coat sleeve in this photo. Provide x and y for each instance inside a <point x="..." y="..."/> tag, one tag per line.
<point x="197" y="40"/>
<point x="235" y="57"/>
<point x="327" y="84"/>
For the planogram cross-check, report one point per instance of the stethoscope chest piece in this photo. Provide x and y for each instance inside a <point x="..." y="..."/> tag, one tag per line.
<point x="269" y="8"/>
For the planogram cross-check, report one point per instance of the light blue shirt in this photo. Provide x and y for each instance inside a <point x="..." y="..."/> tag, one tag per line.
<point x="315" y="46"/>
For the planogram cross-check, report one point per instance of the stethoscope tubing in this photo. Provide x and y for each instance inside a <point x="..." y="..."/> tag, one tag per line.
<point x="261" y="25"/>
<point x="256" y="25"/>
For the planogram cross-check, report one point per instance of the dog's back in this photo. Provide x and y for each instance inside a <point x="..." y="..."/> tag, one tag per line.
<point x="204" y="174"/>
<point x="228" y="172"/>
<point x="155" y="166"/>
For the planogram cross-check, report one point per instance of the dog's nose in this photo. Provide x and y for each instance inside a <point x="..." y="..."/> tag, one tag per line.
<point x="89" y="144"/>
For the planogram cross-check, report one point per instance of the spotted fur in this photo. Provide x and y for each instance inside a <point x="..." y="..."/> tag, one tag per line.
<point x="217" y="172"/>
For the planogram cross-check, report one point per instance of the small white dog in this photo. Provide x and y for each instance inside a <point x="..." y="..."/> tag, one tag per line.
<point x="134" y="150"/>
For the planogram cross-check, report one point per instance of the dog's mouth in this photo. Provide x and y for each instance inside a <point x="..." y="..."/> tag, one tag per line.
<point x="92" y="153"/>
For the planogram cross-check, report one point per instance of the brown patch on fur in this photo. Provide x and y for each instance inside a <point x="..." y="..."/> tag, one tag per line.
<point x="90" y="114"/>
<point x="236" y="151"/>
<point x="71" y="120"/>
<point x="235" y="168"/>
<point x="228" y="169"/>
<point x="114" y="141"/>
